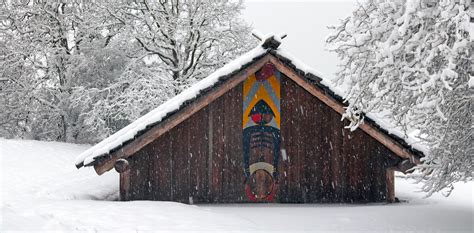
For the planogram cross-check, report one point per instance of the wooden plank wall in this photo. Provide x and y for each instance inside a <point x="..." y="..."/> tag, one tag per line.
<point x="200" y="160"/>
<point x="176" y="166"/>
<point x="327" y="162"/>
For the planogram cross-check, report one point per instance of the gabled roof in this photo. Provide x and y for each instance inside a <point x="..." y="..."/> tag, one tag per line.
<point x="222" y="80"/>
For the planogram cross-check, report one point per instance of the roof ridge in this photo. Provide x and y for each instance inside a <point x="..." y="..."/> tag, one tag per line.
<point x="269" y="45"/>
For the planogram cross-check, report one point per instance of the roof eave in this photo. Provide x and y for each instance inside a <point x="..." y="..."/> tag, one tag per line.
<point x="406" y="152"/>
<point x="105" y="162"/>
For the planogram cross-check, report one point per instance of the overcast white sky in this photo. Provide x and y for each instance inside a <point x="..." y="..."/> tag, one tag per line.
<point x="305" y="22"/>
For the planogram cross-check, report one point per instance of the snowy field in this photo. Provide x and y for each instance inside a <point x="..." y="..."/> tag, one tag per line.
<point x="42" y="191"/>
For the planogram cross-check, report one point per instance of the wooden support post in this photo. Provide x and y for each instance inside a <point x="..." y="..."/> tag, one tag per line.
<point x="390" y="180"/>
<point x="125" y="186"/>
<point x="122" y="167"/>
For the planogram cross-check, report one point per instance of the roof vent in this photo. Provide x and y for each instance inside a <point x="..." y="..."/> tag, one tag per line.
<point x="270" y="41"/>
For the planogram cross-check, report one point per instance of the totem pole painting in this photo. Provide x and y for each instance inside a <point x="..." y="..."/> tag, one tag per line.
<point x="261" y="133"/>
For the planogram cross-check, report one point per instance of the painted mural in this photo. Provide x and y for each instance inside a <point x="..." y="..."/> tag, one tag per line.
<point x="261" y="133"/>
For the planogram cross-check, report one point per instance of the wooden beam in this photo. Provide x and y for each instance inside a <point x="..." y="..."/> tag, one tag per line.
<point x="339" y="107"/>
<point x="121" y="165"/>
<point x="290" y="73"/>
<point x="390" y="182"/>
<point x="394" y="146"/>
<point x="153" y="133"/>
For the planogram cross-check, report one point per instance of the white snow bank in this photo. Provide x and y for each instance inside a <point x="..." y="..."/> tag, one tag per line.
<point x="41" y="191"/>
<point x="35" y="169"/>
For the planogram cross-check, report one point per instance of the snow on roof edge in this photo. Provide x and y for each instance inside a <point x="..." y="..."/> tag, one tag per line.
<point x="156" y="115"/>
<point x="378" y="118"/>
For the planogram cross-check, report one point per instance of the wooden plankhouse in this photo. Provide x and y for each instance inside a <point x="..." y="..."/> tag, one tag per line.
<point x="261" y="129"/>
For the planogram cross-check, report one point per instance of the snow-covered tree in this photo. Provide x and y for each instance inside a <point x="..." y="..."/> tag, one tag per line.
<point x="414" y="59"/>
<point x="44" y="45"/>
<point x="38" y="41"/>
<point x="167" y="45"/>
<point x="104" y="109"/>
<point x="79" y="70"/>
<point x="185" y="39"/>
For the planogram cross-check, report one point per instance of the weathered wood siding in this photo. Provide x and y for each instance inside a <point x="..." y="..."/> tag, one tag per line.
<point x="327" y="163"/>
<point x="200" y="160"/>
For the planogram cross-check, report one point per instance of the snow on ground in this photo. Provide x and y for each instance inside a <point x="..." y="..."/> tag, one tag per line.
<point x="42" y="191"/>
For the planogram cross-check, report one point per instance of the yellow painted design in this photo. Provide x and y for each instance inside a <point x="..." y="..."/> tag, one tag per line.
<point x="261" y="94"/>
<point x="249" y="82"/>
<point x="275" y="85"/>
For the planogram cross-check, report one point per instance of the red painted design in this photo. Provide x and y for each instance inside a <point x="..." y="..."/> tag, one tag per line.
<point x="257" y="118"/>
<point x="269" y="197"/>
<point x="272" y="194"/>
<point x="266" y="72"/>
<point x="249" y="193"/>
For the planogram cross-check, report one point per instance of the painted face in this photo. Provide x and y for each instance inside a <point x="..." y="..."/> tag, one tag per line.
<point x="261" y="113"/>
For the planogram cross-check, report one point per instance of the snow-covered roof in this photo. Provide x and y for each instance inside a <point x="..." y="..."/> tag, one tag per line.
<point x="174" y="104"/>
<point x="157" y="115"/>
